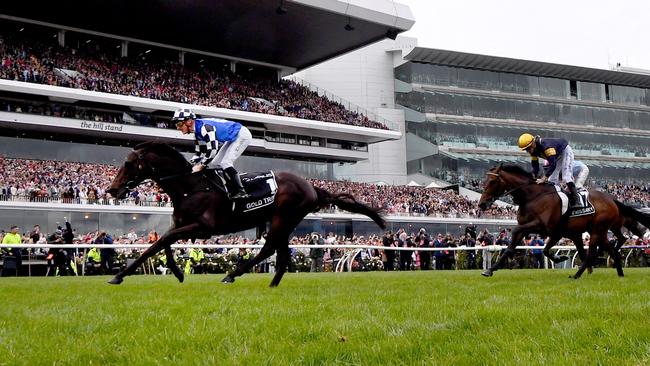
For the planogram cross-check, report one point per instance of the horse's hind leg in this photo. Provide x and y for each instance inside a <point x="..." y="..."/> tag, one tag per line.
<point x="282" y="262"/>
<point x="595" y="241"/>
<point x="171" y="264"/>
<point x="616" y="256"/>
<point x="264" y="253"/>
<point x="580" y="248"/>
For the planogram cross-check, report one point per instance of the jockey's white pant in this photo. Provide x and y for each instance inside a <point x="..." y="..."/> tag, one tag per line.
<point x="231" y="150"/>
<point x="580" y="177"/>
<point x="563" y="165"/>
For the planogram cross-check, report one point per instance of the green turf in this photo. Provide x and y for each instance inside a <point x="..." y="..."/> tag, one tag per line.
<point x="517" y="317"/>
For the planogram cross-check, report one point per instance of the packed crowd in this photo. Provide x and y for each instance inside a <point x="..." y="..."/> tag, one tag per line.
<point x="417" y="201"/>
<point x="85" y="183"/>
<point x="91" y="69"/>
<point x="67" y="182"/>
<point x="204" y="258"/>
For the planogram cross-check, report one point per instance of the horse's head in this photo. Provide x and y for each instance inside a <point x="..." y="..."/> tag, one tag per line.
<point x="149" y="160"/>
<point x="493" y="188"/>
<point x="133" y="172"/>
<point x="503" y="180"/>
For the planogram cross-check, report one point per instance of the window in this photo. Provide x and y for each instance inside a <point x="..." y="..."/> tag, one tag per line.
<point x="573" y="88"/>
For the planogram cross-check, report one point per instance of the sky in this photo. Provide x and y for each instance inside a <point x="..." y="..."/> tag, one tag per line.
<point x="590" y="33"/>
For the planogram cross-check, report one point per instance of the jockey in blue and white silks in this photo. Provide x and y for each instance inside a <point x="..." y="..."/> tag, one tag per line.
<point x="208" y="133"/>
<point x="559" y="155"/>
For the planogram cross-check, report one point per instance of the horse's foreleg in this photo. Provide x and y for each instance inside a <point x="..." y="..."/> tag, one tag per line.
<point x="550" y="243"/>
<point x="167" y="239"/>
<point x="518" y="233"/>
<point x="171" y="263"/>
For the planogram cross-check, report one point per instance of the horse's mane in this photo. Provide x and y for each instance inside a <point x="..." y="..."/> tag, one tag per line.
<point x="516" y="169"/>
<point x="162" y="149"/>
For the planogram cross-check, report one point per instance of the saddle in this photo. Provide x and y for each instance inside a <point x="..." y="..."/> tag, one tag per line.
<point x="260" y="186"/>
<point x="586" y="209"/>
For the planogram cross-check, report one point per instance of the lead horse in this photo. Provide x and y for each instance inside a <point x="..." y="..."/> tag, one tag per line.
<point x="200" y="211"/>
<point x="540" y="212"/>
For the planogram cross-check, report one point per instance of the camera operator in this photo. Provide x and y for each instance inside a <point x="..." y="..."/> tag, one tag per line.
<point x="55" y="256"/>
<point x="70" y="253"/>
<point x="316" y="254"/>
<point x="469" y="242"/>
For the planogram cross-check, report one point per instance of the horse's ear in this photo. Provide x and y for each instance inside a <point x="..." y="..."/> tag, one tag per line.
<point x="500" y="165"/>
<point x="150" y="143"/>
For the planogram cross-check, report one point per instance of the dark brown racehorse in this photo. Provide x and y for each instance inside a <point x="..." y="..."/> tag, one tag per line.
<point x="201" y="211"/>
<point x="540" y="213"/>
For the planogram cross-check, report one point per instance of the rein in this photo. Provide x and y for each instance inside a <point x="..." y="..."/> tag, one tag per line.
<point x="509" y="191"/>
<point x="514" y="189"/>
<point x="211" y="182"/>
<point x="132" y="184"/>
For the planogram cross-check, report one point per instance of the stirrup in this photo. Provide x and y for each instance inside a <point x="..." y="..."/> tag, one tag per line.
<point x="240" y="195"/>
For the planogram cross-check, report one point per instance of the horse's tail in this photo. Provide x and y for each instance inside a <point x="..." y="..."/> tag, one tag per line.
<point x="634" y="215"/>
<point x="349" y="203"/>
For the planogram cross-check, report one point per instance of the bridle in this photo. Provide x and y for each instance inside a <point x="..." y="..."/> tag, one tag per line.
<point x="136" y="179"/>
<point x="132" y="184"/>
<point x="506" y="192"/>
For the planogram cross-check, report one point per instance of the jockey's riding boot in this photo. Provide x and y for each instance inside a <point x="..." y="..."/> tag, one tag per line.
<point x="236" y="180"/>
<point x="574" y="197"/>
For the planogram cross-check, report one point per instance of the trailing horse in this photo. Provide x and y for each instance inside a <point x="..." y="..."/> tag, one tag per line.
<point x="540" y="212"/>
<point x="202" y="208"/>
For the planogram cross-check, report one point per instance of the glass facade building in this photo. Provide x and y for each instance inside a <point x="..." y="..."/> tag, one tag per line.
<point x="471" y="115"/>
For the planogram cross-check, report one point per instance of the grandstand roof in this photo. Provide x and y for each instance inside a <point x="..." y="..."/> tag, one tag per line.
<point x="526" y="67"/>
<point x="301" y="34"/>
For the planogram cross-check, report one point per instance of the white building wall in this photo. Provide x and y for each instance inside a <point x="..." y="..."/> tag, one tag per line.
<point x="365" y="78"/>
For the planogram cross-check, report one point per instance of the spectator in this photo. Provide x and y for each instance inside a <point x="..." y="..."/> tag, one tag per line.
<point x="537" y="254"/>
<point x="425" y="255"/>
<point x="486" y="240"/>
<point x="107" y="254"/>
<point x="13" y="237"/>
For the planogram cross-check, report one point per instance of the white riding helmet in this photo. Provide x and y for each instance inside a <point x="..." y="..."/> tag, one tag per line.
<point x="183" y="114"/>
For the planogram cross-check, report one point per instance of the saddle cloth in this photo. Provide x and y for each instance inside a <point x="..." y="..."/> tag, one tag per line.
<point x="261" y="188"/>
<point x="586" y="209"/>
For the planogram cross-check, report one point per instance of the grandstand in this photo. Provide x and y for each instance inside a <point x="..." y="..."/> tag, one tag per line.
<point x="75" y="97"/>
<point x="471" y="108"/>
<point x="78" y="91"/>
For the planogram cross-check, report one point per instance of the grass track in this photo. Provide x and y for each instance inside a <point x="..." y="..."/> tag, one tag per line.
<point x="416" y="318"/>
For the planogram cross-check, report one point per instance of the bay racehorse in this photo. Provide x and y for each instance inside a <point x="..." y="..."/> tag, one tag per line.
<point x="201" y="211"/>
<point x="540" y="213"/>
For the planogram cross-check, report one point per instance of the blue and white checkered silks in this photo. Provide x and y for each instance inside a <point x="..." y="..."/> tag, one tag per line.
<point x="205" y="151"/>
<point x="183" y="114"/>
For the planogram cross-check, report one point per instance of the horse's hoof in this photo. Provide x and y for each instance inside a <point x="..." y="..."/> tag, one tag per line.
<point x="487" y="273"/>
<point x="227" y="279"/>
<point x="562" y="258"/>
<point x="575" y="277"/>
<point x="590" y="270"/>
<point x="115" y="280"/>
<point x="180" y="277"/>
<point x="273" y="285"/>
